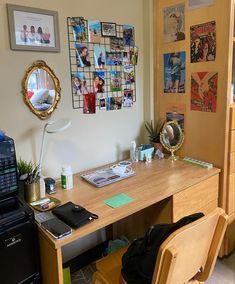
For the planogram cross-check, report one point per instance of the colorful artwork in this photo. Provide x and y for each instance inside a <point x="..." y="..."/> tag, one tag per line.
<point x="203" y="42"/>
<point x="204" y="91"/>
<point x="174" y="72"/>
<point x="174" y="23"/>
<point x="176" y="112"/>
<point x="116" y="80"/>
<point x="79" y="28"/>
<point x="94" y="29"/>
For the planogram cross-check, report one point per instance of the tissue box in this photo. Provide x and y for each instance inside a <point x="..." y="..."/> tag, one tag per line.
<point x="143" y="153"/>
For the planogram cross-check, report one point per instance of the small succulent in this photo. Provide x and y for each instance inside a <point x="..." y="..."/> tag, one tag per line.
<point x="27" y="171"/>
<point x="154" y="131"/>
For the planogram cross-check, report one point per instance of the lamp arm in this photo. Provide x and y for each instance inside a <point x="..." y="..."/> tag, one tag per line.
<point x="41" y="151"/>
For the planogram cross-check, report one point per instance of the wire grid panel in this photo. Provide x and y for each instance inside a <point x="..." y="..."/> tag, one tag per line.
<point x="88" y="71"/>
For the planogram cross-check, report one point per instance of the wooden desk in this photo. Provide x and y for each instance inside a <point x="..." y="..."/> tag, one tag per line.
<point x="178" y="187"/>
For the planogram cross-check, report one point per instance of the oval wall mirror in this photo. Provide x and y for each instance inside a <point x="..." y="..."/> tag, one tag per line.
<point x="41" y="89"/>
<point x="172" y="137"/>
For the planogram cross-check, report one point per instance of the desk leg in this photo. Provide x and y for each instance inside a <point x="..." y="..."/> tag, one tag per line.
<point x="51" y="262"/>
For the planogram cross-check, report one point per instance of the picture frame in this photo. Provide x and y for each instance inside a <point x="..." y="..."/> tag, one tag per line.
<point x="108" y="29"/>
<point x="33" y="29"/>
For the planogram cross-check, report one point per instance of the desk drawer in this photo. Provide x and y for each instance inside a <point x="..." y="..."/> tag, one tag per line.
<point x="202" y="197"/>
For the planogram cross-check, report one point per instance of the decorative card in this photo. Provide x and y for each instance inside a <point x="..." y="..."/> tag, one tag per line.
<point x="174" y="72"/>
<point x="174" y="23"/>
<point x="203" y="42"/>
<point x="204" y="91"/>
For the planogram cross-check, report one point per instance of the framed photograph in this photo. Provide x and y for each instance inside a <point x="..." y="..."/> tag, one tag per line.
<point x="108" y="29"/>
<point x="33" y="29"/>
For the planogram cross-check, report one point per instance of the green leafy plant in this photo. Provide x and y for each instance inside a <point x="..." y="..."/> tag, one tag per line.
<point x="27" y="171"/>
<point x="154" y="131"/>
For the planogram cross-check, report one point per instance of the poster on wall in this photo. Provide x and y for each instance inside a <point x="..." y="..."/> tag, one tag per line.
<point x="174" y="72"/>
<point x="176" y="112"/>
<point x="174" y="23"/>
<point x="204" y="91"/>
<point x="194" y="4"/>
<point x="203" y="42"/>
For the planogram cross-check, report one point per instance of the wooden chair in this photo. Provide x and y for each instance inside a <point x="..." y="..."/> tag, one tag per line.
<point x="187" y="256"/>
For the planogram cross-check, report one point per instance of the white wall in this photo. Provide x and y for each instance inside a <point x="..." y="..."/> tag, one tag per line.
<point x="92" y="140"/>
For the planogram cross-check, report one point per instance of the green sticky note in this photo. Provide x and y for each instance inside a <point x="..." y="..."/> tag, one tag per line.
<point x="118" y="200"/>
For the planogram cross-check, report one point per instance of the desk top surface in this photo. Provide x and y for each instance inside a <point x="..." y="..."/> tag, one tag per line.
<point x="152" y="183"/>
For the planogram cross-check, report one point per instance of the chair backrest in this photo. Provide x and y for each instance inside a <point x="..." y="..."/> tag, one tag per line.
<point x="191" y="251"/>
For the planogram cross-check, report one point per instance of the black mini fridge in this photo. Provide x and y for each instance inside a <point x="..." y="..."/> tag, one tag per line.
<point x="19" y="253"/>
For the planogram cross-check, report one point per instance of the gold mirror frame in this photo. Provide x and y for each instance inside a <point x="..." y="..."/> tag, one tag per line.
<point x="172" y="148"/>
<point x="40" y="64"/>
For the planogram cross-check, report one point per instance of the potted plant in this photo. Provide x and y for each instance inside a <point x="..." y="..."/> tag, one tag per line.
<point x="154" y="132"/>
<point x="29" y="176"/>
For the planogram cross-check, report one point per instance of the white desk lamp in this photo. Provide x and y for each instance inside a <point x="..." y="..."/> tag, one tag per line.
<point x="50" y="127"/>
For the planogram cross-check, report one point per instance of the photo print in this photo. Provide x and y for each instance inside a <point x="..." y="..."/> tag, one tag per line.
<point x="129" y="73"/>
<point x="99" y="57"/>
<point x="79" y="28"/>
<point x="128" y="35"/>
<point x="113" y="58"/>
<point x="108" y="29"/>
<point x="174" y="72"/>
<point x="204" y="91"/>
<point x="79" y="84"/>
<point x="174" y="23"/>
<point x="176" y="112"/>
<point x="102" y="104"/>
<point x="133" y="54"/>
<point x="116" y="80"/>
<point x="116" y="44"/>
<point x="82" y="55"/>
<point x="113" y="103"/>
<point x="89" y="103"/>
<point x="98" y="81"/>
<point x="128" y="98"/>
<point x="94" y="31"/>
<point x="203" y="42"/>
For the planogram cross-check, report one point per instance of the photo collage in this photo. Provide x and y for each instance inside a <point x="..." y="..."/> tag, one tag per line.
<point x="103" y="57"/>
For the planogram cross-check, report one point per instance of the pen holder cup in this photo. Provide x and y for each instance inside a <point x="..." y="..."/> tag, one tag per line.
<point x="31" y="192"/>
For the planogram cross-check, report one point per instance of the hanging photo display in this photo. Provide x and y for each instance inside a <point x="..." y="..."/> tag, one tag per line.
<point x="203" y="42"/>
<point x="174" y="72"/>
<point x="174" y="23"/>
<point x="204" y="91"/>
<point x="103" y="57"/>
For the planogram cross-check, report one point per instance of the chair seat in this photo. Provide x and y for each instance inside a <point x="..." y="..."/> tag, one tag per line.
<point x="110" y="266"/>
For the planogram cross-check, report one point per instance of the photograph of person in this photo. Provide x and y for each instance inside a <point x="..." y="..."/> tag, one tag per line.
<point x="128" y="98"/>
<point x="203" y="42"/>
<point x="99" y="57"/>
<point x="113" y="58"/>
<point x="174" y="72"/>
<point x="102" y="104"/>
<point x="114" y="103"/>
<point x="94" y="31"/>
<point x="82" y="55"/>
<point x="98" y="81"/>
<point x="128" y="35"/>
<point x="133" y="55"/>
<point x="79" y="28"/>
<point x="129" y="74"/>
<point x="174" y="23"/>
<point x="89" y="103"/>
<point x="115" y="80"/>
<point x="79" y="83"/>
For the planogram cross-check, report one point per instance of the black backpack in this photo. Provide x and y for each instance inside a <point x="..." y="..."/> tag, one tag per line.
<point x="138" y="262"/>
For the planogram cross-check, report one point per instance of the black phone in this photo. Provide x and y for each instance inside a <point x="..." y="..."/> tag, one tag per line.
<point x="56" y="228"/>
